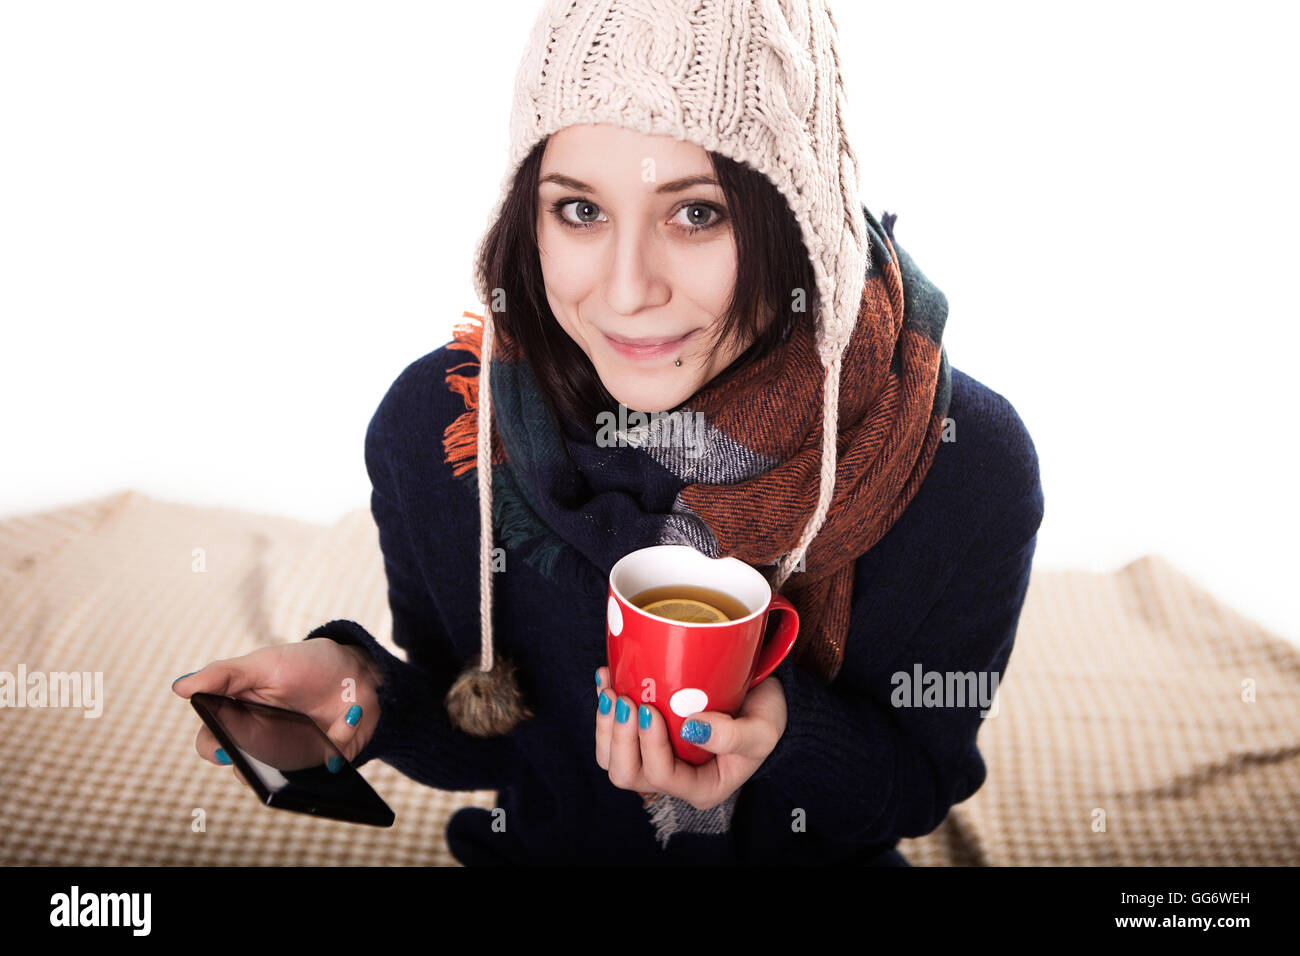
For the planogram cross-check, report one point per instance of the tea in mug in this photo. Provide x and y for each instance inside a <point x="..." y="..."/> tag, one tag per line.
<point x="691" y="604"/>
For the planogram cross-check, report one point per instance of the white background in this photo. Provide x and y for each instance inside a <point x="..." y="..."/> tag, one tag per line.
<point x="226" y="228"/>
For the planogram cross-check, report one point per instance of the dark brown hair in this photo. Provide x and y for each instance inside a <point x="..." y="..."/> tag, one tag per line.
<point x="771" y="262"/>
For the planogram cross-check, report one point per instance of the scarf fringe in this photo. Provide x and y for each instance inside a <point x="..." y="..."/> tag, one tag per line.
<point x="460" y="441"/>
<point x="662" y="815"/>
<point x="672" y="815"/>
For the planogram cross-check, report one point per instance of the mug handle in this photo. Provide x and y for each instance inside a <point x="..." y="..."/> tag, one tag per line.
<point x="780" y="644"/>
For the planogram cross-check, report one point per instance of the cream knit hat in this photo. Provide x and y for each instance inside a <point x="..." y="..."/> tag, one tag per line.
<point x="757" y="81"/>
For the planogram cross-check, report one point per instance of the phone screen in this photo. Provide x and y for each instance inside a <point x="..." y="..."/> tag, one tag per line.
<point x="289" y="761"/>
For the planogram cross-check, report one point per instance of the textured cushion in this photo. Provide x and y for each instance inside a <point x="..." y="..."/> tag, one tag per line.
<point x="1122" y="705"/>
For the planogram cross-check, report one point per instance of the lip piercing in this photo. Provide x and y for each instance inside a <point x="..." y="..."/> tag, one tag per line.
<point x="679" y="362"/>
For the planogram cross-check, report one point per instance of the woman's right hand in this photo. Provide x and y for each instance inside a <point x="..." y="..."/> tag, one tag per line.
<point x="308" y="677"/>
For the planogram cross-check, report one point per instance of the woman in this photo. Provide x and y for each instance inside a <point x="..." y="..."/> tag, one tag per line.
<point x="679" y="232"/>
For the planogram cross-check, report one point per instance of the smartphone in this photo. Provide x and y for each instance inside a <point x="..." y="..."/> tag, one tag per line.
<point x="290" y="762"/>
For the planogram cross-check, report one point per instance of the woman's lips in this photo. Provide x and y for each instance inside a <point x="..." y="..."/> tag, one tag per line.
<point x="647" y="352"/>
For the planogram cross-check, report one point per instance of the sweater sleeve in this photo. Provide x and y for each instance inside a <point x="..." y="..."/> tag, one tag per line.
<point x="414" y="733"/>
<point x="867" y="772"/>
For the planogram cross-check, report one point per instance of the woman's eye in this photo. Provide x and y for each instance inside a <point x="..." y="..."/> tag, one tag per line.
<point x="700" y="216"/>
<point x="582" y="210"/>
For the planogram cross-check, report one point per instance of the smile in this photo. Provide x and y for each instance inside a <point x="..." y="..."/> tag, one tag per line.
<point x="647" y="352"/>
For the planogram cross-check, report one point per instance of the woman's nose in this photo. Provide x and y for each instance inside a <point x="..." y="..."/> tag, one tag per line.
<point x="634" y="278"/>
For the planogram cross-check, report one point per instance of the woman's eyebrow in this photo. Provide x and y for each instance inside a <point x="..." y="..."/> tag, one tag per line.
<point x="676" y="186"/>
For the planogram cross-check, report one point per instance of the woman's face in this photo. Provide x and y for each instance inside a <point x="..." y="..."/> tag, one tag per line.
<point x="636" y="244"/>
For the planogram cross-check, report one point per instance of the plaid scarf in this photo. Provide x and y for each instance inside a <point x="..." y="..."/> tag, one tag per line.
<point x="738" y="474"/>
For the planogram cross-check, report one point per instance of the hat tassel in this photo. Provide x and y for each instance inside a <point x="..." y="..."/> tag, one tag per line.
<point x="485" y="700"/>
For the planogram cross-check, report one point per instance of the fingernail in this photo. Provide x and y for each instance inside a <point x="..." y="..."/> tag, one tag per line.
<point x="604" y="703"/>
<point x="696" y="731"/>
<point x="182" y="677"/>
<point x="334" y="763"/>
<point x="597" y="678"/>
<point x="353" y="715"/>
<point x="643" y="717"/>
<point x="221" y="756"/>
<point x="622" y="712"/>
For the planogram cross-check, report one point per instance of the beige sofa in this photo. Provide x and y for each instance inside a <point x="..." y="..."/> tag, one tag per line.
<point x="1125" y="731"/>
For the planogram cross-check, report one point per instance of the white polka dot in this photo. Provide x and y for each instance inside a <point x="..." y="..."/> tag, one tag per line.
<point x="689" y="700"/>
<point x="615" y="617"/>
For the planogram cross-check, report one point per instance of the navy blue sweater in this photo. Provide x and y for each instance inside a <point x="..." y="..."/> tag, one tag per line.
<point x="942" y="590"/>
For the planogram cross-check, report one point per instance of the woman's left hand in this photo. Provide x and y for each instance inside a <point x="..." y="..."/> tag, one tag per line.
<point x="643" y="759"/>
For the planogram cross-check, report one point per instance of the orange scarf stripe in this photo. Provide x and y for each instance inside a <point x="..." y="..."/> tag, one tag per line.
<point x="460" y="440"/>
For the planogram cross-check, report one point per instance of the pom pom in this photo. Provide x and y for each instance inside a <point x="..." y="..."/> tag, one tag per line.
<point x="487" y="703"/>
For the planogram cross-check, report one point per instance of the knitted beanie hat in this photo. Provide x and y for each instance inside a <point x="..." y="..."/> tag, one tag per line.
<point x="757" y="81"/>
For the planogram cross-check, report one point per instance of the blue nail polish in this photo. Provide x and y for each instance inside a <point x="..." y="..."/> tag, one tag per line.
<point x="696" y="731"/>
<point x="643" y="717"/>
<point x="334" y="764"/>
<point x="597" y="678"/>
<point x="182" y="677"/>
<point x="622" y="712"/>
<point x="353" y="715"/>
<point x="604" y="703"/>
<point x="221" y="756"/>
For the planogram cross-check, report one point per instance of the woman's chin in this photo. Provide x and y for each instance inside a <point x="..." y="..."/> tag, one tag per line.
<point x="648" y="399"/>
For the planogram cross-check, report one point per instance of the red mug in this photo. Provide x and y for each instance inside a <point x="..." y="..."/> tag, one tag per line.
<point x="682" y="668"/>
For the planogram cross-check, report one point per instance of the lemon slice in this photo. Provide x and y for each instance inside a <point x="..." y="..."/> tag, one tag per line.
<point x="686" y="609"/>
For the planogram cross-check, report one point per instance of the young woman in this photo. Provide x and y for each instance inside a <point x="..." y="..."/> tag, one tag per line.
<point x="679" y="233"/>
